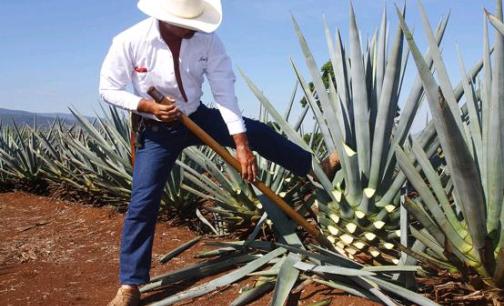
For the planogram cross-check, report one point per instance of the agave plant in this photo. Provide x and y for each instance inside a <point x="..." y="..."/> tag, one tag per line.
<point x="4" y="133"/>
<point x="357" y="117"/>
<point x="18" y="158"/>
<point x="460" y="209"/>
<point x="59" y="166"/>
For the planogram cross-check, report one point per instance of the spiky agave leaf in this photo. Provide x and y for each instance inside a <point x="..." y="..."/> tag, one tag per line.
<point x="474" y="172"/>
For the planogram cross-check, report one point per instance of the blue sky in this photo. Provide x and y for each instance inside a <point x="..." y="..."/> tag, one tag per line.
<point x="51" y="50"/>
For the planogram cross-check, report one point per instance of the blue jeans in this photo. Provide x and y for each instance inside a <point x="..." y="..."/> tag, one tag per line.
<point x="153" y="163"/>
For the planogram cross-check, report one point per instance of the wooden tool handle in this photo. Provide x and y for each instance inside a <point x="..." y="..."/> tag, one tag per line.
<point x="212" y="143"/>
<point x="155" y="94"/>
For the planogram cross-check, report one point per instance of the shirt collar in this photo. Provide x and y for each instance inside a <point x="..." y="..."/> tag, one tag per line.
<point x="154" y="34"/>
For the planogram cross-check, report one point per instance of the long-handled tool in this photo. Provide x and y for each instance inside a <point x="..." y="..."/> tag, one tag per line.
<point x="208" y="140"/>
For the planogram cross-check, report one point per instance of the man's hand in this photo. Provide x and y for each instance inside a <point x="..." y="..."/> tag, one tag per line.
<point x="245" y="157"/>
<point x="166" y="113"/>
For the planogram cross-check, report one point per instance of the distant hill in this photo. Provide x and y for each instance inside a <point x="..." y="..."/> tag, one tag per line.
<point x="8" y="116"/>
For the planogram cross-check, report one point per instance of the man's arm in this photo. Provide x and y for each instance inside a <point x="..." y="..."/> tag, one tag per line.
<point x="115" y="75"/>
<point x="221" y="78"/>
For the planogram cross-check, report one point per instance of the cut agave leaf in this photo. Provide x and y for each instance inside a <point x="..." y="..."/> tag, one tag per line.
<point x="221" y="281"/>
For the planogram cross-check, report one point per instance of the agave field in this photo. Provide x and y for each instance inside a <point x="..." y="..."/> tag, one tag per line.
<point x="401" y="209"/>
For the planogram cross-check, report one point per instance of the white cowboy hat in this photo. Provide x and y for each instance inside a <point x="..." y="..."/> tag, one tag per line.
<point x="199" y="15"/>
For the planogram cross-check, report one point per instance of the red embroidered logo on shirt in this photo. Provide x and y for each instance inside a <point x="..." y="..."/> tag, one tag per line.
<point x="141" y="69"/>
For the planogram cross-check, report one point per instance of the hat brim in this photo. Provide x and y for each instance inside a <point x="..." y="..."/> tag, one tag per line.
<point x="208" y="21"/>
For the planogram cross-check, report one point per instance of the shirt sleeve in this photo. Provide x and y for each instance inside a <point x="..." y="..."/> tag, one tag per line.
<point x="221" y="78"/>
<point x="115" y="76"/>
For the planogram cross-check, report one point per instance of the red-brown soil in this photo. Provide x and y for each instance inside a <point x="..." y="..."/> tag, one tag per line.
<point x="60" y="253"/>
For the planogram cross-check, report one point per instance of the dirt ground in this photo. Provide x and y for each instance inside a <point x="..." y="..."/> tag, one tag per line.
<point x="59" y="253"/>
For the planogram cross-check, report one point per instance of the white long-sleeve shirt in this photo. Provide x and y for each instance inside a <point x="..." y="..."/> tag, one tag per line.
<point x="139" y="56"/>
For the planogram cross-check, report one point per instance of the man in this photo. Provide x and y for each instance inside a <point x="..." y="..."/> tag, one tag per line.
<point x="173" y="50"/>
